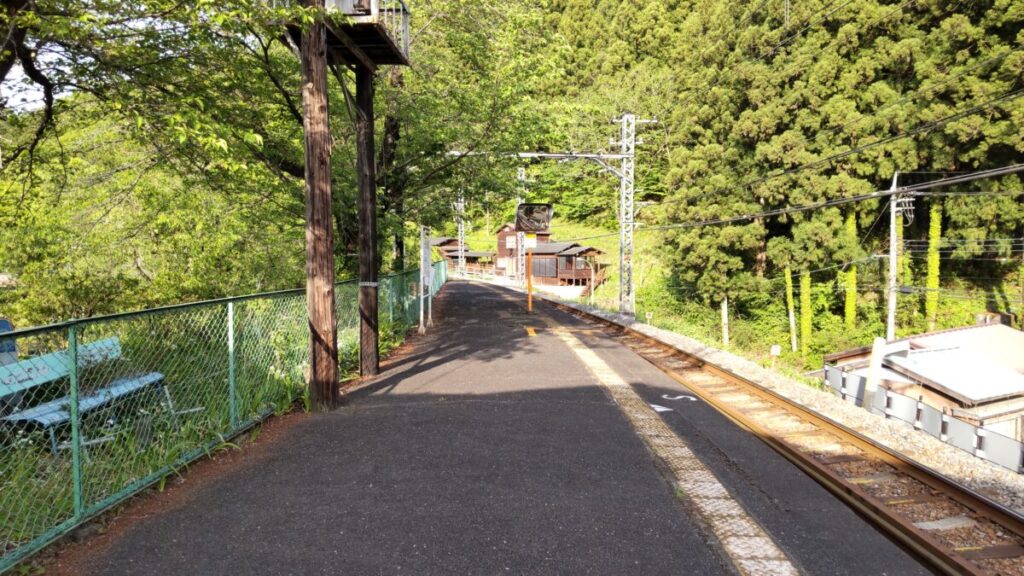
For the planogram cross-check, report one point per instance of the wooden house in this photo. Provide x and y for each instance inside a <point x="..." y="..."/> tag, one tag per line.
<point x="554" y="263"/>
<point x="975" y="373"/>
<point x="506" y="255"/>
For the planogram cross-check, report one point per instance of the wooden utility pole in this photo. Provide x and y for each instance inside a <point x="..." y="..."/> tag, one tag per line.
<point x="323" y="325"/>
<point x="369" y="356"/>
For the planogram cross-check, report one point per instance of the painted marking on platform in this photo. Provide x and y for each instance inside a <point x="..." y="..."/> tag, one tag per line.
<point x="750" y="549"/>
<point x="681" y="397"/>
<point x="747" y="545"/>
<point x="660" y="408"/>
<point x="531" y="331"/>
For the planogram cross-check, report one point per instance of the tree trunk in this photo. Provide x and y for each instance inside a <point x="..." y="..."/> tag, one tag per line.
<point x="394" y="183"/>
<point x="369" y="359"/>
<point x="725" y="321"/>
<point x="790" y="308"/>
<point x="761" y="256"/>
<point x="323" y="327"/>
<point x="850" y="302"/>
<point x="806" y="314"/>
<point x="931" y="296"/>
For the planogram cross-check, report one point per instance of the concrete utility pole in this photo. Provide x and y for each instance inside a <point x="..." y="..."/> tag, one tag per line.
<point x="369" y="353"/>
<point x="323" y="326"/>
<point x="894" y="207"/>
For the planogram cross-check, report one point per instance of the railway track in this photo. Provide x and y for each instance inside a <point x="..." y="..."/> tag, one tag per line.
<point x="954" y="529"/>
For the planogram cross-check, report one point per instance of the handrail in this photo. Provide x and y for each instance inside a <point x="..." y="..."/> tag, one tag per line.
<point x="32" y="330"/>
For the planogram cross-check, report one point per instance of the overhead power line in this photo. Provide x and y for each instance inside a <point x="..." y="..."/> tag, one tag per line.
<point x="874" y="144"/>
<point x="922" y="189"/>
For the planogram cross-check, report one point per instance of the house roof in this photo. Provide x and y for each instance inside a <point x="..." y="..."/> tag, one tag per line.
<point x="553" y="248"/>
<point x="960" y="374"/>
<point x="441" y="240"/>
<point x="972" y="364"/>
<point x="580" y="250"/>
<point x="991" y="343"/>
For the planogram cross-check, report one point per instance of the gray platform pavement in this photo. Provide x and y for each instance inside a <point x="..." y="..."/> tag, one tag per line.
<point x="488" y="450"/>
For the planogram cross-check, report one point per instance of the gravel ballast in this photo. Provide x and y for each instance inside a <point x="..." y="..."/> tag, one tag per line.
<point x="999" y="484"/>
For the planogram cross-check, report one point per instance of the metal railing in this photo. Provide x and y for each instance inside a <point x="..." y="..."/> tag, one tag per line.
<point x="977" y="440"/>
<point x="394" y="15"/>
<point x="93" y="411"/>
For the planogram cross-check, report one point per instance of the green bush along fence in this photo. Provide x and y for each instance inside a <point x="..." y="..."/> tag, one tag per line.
<point x="93" y="411"/>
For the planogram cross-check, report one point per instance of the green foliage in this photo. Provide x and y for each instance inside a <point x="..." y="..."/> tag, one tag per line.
<point x="850" y="301"/>
<point x="931" y="297"/>
<point x="806" y="314"/>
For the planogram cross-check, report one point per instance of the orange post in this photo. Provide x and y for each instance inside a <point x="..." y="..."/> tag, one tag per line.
<point x="529" y="280"/>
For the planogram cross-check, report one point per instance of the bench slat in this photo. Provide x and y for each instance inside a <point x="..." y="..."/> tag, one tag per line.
<point x="58" y="412"/>
<point x="27" y="374"/>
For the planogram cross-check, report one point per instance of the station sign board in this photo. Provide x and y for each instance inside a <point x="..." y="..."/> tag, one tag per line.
<point x="532" y="217"/>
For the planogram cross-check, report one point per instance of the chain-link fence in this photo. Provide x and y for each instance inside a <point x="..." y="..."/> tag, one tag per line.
<point x="93" y="411"/>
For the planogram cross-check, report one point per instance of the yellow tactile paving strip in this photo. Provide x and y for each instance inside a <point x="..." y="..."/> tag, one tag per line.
<point x="744" y="541"/>
<point x="747" y="545"/>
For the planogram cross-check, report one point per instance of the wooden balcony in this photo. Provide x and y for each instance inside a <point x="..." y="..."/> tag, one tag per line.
<point x="368" y="33"/>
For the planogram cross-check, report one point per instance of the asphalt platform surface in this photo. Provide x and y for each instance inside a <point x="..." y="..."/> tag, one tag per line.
<point x="488" y="450"/>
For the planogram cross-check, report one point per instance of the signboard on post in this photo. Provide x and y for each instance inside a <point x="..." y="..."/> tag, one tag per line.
<point x="531" y="219"/>
<point x="534" y="217"/>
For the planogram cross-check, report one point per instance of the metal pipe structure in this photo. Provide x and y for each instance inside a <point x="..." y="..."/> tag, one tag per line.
<point x="627" y="208"/>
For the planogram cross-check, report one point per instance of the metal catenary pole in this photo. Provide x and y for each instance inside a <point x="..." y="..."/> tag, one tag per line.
<point x="460" y="216"/>
<point x="521" y="258"/>
<point x="424" y="276"/>
<point x="627" y="141"/>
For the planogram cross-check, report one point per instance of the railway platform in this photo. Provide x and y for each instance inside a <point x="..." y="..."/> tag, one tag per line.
<point x="505" y="442"/>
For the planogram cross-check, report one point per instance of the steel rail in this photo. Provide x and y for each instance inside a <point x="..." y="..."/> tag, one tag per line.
<point x="938" y="555"/>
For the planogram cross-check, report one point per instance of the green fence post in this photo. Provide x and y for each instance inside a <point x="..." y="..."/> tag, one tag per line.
<point x="391" y="299"/>
<point x="76" y="424"/>
<point x="232" y="380"/>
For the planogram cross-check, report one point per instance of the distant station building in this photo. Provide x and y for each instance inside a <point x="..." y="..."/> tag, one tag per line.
<point x="476" y="260"/>
<point x="975" y="373"/>
<point x="554" y="263"/>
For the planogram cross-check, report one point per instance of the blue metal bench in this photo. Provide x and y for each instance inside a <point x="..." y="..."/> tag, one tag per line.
<point x="17" y="379"/>
<point x="8" y="348"/>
